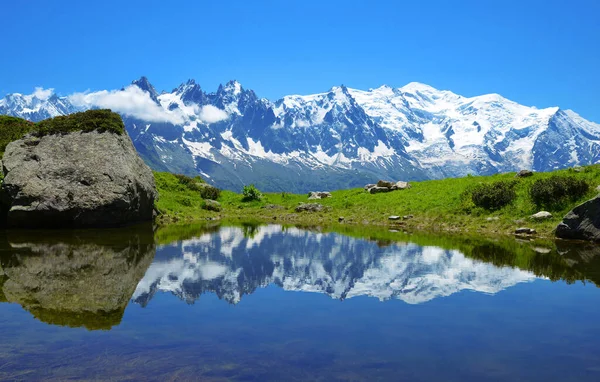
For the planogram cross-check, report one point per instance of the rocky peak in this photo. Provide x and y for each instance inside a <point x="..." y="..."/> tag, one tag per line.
<point x="144" y="84"/>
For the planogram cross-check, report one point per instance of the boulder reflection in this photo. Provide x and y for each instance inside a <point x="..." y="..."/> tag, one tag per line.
<point x="76" y="278"/>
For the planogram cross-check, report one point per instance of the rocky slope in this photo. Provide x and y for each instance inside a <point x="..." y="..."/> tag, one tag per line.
<point x="340" y="138"/>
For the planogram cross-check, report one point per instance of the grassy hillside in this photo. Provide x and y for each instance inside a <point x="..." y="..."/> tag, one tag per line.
<point x="437" y="205"/>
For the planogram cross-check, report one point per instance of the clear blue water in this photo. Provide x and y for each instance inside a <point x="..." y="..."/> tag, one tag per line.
<point x="267" y="303"/>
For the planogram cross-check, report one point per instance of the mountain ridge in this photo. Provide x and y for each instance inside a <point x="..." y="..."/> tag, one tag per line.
<point x="340" y="138"/>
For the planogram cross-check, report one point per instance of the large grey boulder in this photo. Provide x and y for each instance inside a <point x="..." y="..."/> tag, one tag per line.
<point x="79" y="179"/>
<point x="582" y="222"/>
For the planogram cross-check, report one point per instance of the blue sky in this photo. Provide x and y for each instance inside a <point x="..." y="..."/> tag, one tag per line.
<point x="541" y="53"/>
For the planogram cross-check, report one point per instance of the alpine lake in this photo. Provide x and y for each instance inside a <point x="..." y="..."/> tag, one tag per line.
<point x="273" y="303"/>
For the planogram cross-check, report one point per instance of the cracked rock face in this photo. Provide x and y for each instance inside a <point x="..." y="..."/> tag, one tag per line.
<point x="76" y="180"/>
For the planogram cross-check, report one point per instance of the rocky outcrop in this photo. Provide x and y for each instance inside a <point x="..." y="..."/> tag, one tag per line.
<point x="582" y="222"/>
<point x="386" y="186"/>
<point x="78" y="179"/>
<point x="76" y="278"/>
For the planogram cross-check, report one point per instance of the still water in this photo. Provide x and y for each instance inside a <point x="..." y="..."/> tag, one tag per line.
<point x="259" y="303"/>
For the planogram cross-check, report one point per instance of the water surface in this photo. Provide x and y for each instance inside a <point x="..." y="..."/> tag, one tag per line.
<point x="285" y="304"/>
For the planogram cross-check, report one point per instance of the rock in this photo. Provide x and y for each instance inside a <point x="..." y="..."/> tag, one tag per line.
<point x="492" y="218"/>
<point x="402" y="185"/>
<point x="394" y="217"/>
<point x="211" y="205"/>
<point x="318" y="195"/>
<point x="273" y="207"/>
<point x="341" y="219"/>
<point x="577" y="169"/>
<point x="79" y="179"/>
<point x="542" y="215"/>
<point x="369" y="186"/>
<point x="385" y="183"/>
<point x="582" y="222"/>
<point x="524" y="174"/>
<point x="597" y="188"/>
<point x="208" y="192"/>
<point x="542" y="250"/>
<point x="377" y="190"/>
<point x="406" y="217"/>
<point x="310" y="207"/>
<point x="525" y="231"/>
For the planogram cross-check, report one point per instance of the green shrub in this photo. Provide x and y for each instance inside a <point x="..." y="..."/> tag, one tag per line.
<point x="91" y="120"/>
<point x="250" y="193"/>
<point x="493" y="196"/>
<point x="209" y="192"/>
<point x="556" y="190"/>
<point x="197" y="184"/>
<point x="11" y="129"/>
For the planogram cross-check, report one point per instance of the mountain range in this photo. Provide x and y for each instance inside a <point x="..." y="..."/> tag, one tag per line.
<point x="337" y="139"/>
<point x="234" y="261"/>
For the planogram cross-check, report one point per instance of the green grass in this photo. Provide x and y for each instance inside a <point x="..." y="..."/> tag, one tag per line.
<point x="12" y="128"/>
<point x="437" y="205"/>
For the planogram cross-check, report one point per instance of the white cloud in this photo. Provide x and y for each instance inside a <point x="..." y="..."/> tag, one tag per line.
<point x="212" y="114"/>
<point x="43" y="94"/>
<point x="131" y="101"/>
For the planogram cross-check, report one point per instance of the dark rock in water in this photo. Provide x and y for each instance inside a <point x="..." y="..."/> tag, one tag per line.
<point x="310" y="207"/>
<point x="79" y="179"/>
<point x="377" y="190"/>
<point x="525" y="231"/>
<point x="524" y="174"/>
<point x="582" y="222"/>
<point x="211" y="205"/>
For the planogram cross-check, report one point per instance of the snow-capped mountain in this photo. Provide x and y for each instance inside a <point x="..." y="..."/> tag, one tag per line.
<point x="233" y="262"/>
<point x="341" y="138"/>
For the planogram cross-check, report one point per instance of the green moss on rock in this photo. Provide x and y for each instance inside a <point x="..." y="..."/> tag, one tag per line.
<point x="13" y="128"/>
<point x="91" y="120"/>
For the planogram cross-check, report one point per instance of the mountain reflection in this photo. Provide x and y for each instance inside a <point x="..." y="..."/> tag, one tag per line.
<point x="77" y="278"/>
<point x="235" y="261"/>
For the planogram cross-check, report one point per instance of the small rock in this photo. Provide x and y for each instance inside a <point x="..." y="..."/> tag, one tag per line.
<point x="377" y="190"/>
<point x="524" y="174"/>
<point x="211" y="205"/>
<point x="273" y="207"/>
<point x="598" y="188"/>
<point x="541" y="215"/>
<point x="369" y="186"/>
<point x="310" y="207"/>
<point x="318" y="195"/>
<point x="385" y="183"/>
<point x="341" y="219"/>
<point x="406" y="217"/>
<point x="393" y="230"/>
<point x="542" y="250"/>
<point x="394" y="217"/>
<point x="492" y="218"/>
<point x="402" y="185"/>
<point x="525" y="231"/>
<point x="577" y="169"/>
